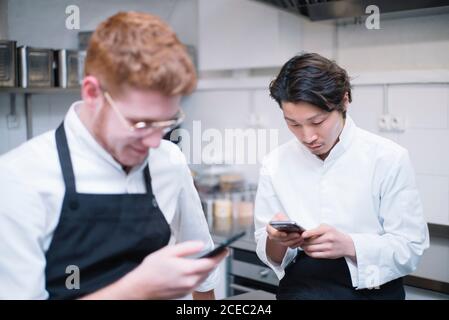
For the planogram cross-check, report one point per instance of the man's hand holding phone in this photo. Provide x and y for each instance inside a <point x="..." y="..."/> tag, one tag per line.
<point x="326" y="242"/>
<point x="223" y="247"/>
<point x="287" y="234"/>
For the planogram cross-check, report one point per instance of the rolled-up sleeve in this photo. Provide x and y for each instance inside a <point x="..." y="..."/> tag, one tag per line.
<point x="266" y="206"/>
<point x="190" y="224"/>
<point x="397" y="251"/>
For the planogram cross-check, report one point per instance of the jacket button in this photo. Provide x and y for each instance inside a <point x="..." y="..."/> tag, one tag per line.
<point x="73" y="205"/>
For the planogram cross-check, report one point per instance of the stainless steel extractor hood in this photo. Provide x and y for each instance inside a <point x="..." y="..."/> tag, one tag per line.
<point x="341" y="9"/>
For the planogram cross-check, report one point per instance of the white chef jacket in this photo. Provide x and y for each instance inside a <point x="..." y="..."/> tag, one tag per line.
<point x="365" y="188"/>
<point x="32" y="190"/>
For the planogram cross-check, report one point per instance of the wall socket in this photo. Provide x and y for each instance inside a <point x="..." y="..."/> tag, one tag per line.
<point x="391" y="123"/>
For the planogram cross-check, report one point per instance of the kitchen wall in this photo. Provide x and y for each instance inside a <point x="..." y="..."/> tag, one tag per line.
<point x="401" y="44"/>
<point x="3" y="19"/>
<point x="42" y="23"/>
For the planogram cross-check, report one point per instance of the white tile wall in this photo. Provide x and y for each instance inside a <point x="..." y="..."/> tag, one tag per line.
<point x="425" y="106"/>
<point x="367" y="107"/>
<point x="429" y="150"/>
<point x="270" y="114"/>
<point x="408" y="43"/>
<point x="218" y="110"/>
<point x="232" y="109"/>
<point x="425" y="109"/>
<point x="11" y="137"/>
<point x="434" y="191"/>
<point x="42" y="23"/>
<point x="47" y="112"/>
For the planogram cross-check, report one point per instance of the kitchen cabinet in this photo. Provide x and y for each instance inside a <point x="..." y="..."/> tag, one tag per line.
<point x="243" y="34"/>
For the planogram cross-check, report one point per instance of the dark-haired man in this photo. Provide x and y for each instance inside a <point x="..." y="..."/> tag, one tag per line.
<point x="354" y="193"/>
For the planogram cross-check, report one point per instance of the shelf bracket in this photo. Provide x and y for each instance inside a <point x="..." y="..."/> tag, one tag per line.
<point x="28" y="116"/>
<point x="12" y="119"/>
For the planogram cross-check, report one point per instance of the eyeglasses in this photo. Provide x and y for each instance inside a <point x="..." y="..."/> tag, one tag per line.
<point x="144" y="126"/>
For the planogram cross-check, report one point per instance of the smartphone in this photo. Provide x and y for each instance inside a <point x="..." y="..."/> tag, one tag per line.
<point x="223" y="246"/>
<point x="287" y="226"/>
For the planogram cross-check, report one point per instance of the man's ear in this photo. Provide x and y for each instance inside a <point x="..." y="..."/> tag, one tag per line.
<point x="346" y="101"/>
<point x="91" y="92"/>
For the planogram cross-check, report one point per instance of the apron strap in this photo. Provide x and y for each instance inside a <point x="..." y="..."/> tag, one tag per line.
<point x="67" y="167"/>
<point x="146" y="174"/>
<point x="65" y="160"/>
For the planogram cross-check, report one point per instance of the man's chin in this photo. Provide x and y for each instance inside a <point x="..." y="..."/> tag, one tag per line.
<point x="320" y="151"/>
<point x="132" y="161"/>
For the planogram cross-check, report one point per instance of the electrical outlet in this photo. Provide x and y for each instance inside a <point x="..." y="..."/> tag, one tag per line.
<point x="388" y="122"/>
<point x="384" y="122"/>
<point x="397" y="123"/>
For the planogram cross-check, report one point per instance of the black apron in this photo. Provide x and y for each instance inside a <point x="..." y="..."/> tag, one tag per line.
<point x="307" y="278"/>
<point x="104" y="235"/>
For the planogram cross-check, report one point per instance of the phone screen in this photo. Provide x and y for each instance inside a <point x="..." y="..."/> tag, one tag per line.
<point x="223" y="245"/>
<point x="287" y="226"/>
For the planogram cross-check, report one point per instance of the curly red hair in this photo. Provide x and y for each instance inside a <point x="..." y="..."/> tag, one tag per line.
<point x="141" y="51"/>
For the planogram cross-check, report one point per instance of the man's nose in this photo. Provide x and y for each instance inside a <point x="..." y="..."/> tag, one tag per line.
<point x="309" y="136"/>
<point x="153" y="140"/>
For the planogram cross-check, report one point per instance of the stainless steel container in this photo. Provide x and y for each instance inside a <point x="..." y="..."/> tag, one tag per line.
<point x="36" y="67"/>
<point x="68" y="65"/>
<point x="83" y="39"/>
<point x="8" y="65"/>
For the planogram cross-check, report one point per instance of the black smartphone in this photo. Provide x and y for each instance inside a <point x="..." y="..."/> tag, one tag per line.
<point x="223" y="245"/>
<point x="287" y="226"/>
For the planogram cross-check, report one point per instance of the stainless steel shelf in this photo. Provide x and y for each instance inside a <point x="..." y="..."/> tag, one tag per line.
<point x="39" y="90"/>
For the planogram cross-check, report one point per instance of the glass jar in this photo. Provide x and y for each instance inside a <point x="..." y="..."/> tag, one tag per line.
<point x="223" y="207"/>
<point x="245" y="208"/>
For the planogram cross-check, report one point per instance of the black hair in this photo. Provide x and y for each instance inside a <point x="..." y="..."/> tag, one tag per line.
<point x="312" y="78"/>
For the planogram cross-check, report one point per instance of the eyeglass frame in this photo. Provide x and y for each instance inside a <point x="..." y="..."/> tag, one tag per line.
<point x="166" y="125"/>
